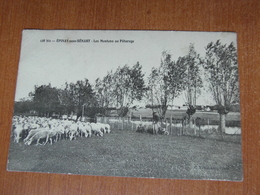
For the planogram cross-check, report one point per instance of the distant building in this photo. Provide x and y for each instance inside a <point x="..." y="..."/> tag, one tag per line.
<point x="207" y="109"/>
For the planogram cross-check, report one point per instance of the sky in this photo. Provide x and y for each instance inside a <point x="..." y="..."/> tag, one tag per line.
<point x="59" y="56"/>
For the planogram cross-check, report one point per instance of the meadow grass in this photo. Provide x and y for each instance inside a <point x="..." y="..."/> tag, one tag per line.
<point x="131" y="154"/>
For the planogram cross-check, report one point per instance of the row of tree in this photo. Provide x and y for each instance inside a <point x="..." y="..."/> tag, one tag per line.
<point x="121" y="88"/>
<point x="126" y="84"/>
<point x="172" y="78"/>
<point x="186" y="76"/>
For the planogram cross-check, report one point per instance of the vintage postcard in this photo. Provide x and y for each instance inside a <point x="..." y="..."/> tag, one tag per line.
<point x="150" y="104"/>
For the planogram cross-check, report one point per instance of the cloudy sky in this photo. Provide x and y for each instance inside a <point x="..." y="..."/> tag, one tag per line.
<point x="57" y="56"/>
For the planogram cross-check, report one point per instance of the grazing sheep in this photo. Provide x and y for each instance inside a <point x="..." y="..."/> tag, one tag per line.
<point x="32" y="133"/>
<point x="32" y="129"/>
<point x="105" y="128"/>
<point x="96" y="129"/>
<point x="18" y="129"/>
<point x="153" y="129"/>
<point x="44" y="134"/>
<point x="73" y="131"/>
<point x="84" y="128"/>
<point x="163" y="131"/>
<point x="87" y="129"/>
<point x="58" y="131"/>
<point x="34" y="125"/>
<point x="140" y="128"/>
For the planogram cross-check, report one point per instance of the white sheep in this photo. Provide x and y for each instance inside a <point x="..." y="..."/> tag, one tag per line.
<point x="57" y="131"/>
<point x="31" y="133"/>
<point x="73" y="131"/>
<point x="18" y="129"/>
<point x="96" y="129"/>
<point x="44" y="134"/>
<point x="86" y="129"/>
<point x="105" y="128"/>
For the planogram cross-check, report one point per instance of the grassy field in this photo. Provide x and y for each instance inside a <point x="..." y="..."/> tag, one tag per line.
<point x="211" y="117"/>
<point x="131" y="154"/>
<point x="178" y="114"/>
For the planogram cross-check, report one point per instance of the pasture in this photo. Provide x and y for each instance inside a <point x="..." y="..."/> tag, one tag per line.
<point x="132" y="154"/>
<point x="206" y="119"/>
<point x="178" y="114"/>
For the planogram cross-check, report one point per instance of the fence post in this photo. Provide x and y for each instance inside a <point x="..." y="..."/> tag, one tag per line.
<point x="199" y="131"/>
<point x="171" y="125"/>
<point x="199" y="124"/>
<point x="182" y="129"/>
<point x="194" y="126"/>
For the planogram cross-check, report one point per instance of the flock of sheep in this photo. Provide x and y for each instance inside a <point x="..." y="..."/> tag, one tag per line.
<point x="140" y="126"/>
<point x="35" y="129"/>
<point x="41" y="130"/>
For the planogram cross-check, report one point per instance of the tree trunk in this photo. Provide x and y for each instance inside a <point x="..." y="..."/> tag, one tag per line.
<point x="190" y="122"/>
<point x="164" y="109"/>
<point x="222" y="123"/>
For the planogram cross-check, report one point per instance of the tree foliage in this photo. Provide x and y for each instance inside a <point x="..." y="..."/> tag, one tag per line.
<point x="221" y="70"/>
<point x="166" y="82"/>
<point x="222" y="73"/>
<point x="104" y="91"/>
<point x="121" y="88"/>
<point x="193" y="80"/>
<point x="45" y="99"/>
<point x="23" y="106"/>
<point x="129" y="85"/>
<point x="79" y="94"/>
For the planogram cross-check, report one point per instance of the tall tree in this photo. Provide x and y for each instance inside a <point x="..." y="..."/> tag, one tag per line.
<point x="122" y="85"/>
<point x="166" y="82"/>
<point x="221" y="70"/>
<point x="23" y="106"/>
<point x="66" y="100"/>
<point x="78" y="95"/>
<point x="45" y="99"/>
<point x="137" y="82"/>
<point x="128" y="86"/>
<point x="104" y="90"/>
<point x="193" y="80"/>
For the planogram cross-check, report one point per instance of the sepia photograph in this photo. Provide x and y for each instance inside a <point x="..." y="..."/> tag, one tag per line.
<point x="126" y="103"/>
